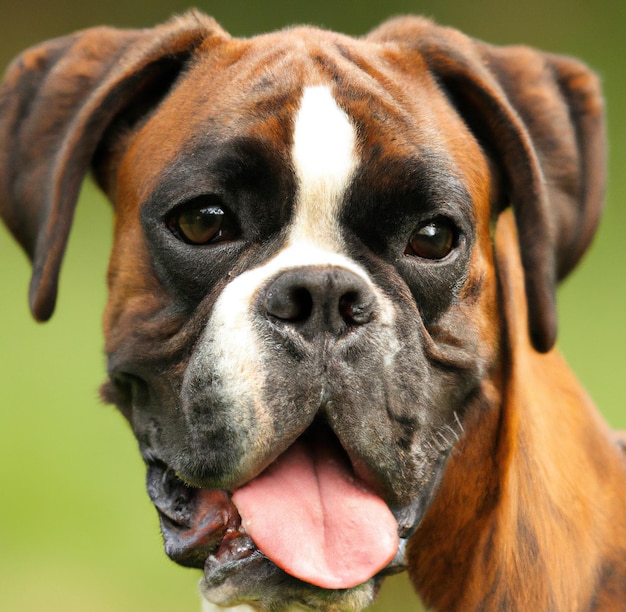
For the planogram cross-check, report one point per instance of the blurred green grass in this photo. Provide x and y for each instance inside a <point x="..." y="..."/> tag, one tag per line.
<point x="77" y="531"/>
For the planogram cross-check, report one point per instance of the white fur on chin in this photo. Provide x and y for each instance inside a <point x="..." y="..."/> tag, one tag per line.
<point x="207" y="606"/>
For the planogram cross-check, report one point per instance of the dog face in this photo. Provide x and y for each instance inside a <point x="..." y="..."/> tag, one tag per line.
<point x="303" y="301"/>
<point x="299" y="262"/>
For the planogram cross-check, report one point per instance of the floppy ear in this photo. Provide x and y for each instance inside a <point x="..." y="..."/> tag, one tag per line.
<point x="56" y="103"/>
<point x="540" y="117"/>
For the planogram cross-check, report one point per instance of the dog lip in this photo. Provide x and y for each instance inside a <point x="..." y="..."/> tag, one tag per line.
<point x="238" y="551"/>
<point x="194" y="522"/>
<point x="236" y="548"/>
<point x="409" y="517"/>
<point x="202" y="529"/>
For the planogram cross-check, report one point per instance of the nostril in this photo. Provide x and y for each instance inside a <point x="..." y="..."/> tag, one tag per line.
<point x="353" y="309"/>
<point x="291" y="304"/>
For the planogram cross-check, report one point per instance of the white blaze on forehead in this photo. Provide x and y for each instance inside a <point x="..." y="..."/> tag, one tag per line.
<point x="324" y="158"/>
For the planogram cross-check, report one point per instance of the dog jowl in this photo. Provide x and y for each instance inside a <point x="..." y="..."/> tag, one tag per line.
<point x="331" y="319"/>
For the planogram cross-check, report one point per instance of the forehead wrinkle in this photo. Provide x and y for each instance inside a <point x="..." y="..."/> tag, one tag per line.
<point x="324" y="156"/>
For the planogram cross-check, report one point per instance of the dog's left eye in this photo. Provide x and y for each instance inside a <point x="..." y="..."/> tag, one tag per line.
<point x="434" y="239"/>
<point x="201" y="221"/>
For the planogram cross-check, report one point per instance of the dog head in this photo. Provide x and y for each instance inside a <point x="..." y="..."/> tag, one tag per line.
<point x="303" y="301"/>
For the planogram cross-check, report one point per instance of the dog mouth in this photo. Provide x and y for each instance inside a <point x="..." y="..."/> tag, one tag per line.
<point x="307" y="514"/>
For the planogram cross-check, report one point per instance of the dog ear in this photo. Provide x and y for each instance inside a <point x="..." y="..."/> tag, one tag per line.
<point x="540" y="117"/>
<point x="56" y="103"/>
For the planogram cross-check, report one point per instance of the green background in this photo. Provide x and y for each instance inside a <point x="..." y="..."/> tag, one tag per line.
<point x="76" y="529"/>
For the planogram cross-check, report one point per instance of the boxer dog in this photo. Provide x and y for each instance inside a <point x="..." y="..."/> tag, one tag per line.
<point x="331" y="311"/>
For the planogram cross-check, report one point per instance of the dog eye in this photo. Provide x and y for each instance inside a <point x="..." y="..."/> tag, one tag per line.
<point x="199" y="222"/>
<point x="434" y="239"/>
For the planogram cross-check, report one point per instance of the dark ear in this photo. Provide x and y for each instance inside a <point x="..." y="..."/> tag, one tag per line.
<point x="56" y="102"/>
<point x="541" y="119"/>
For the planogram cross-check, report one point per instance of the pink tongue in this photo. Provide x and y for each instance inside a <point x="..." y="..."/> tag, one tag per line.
<point x="309" y="515"/>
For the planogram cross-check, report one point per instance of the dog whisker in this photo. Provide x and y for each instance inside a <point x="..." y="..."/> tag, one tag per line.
<point x="458" y="422"/>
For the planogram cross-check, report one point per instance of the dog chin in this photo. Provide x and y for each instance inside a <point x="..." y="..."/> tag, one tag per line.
<point x="239" y="574"/>
<point x="253" y="582"/>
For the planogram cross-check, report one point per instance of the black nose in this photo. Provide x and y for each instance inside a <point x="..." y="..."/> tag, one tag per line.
<point x="317" y="300"/>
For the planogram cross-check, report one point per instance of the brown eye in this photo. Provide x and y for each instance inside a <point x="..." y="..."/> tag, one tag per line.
<point x="201" y="222"/>
<point x="433" y="240"/>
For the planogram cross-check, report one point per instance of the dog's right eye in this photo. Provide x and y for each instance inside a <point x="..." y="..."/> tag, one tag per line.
<point x="201" y="221"/>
